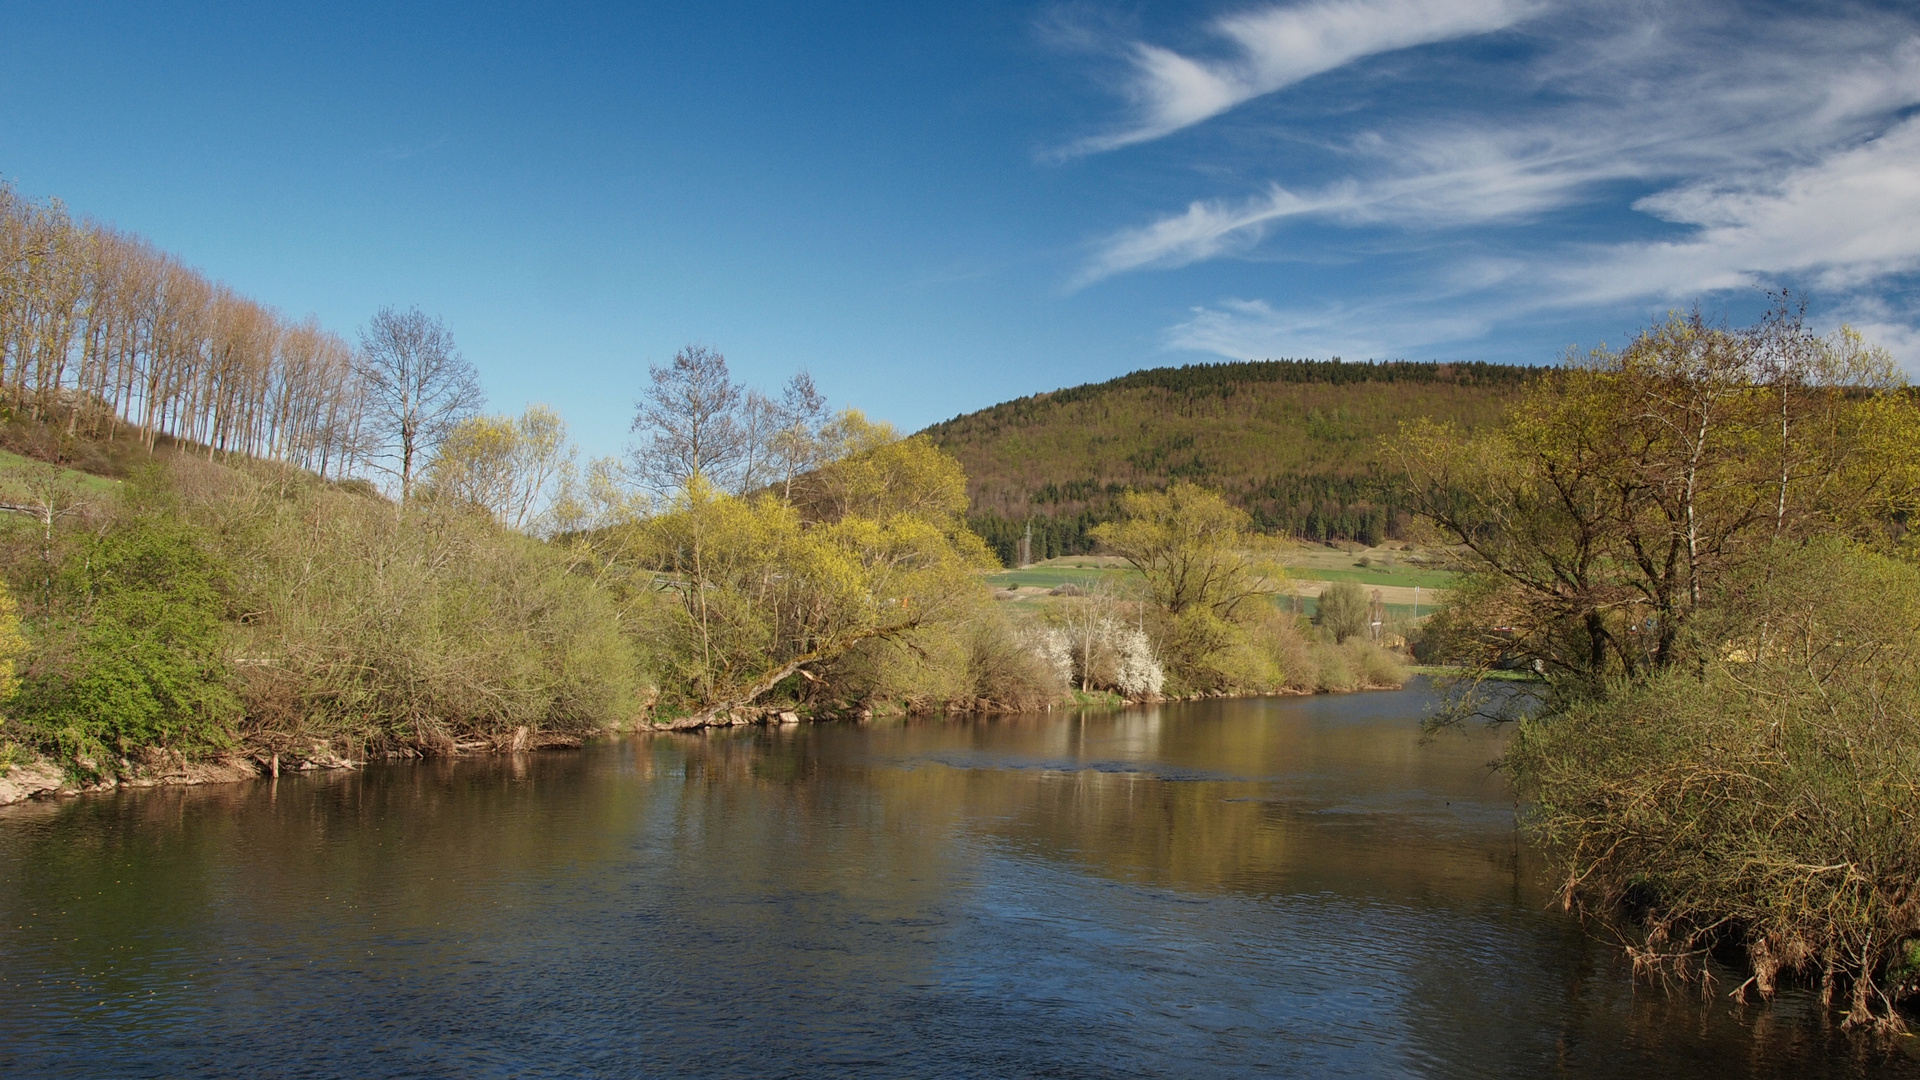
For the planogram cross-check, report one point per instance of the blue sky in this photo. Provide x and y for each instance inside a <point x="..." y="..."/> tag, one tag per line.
<point x="937" y="207"/>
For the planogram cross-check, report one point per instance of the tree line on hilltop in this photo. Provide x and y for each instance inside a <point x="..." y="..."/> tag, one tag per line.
<point x="106" y="331"/>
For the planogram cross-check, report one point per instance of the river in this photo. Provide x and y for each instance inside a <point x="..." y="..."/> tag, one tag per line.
<point x="1267" y="887"/>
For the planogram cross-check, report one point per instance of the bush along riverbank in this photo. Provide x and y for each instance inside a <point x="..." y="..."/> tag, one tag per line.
<point x="1702" y="546"/>
<point x="209" y="616"/>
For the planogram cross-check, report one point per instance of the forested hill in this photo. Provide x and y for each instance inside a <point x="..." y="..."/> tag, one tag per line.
<point x="1298" y="443"/>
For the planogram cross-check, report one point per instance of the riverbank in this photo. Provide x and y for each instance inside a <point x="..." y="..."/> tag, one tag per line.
<point x="43" y="778"/>
<point x="780" y="715"/>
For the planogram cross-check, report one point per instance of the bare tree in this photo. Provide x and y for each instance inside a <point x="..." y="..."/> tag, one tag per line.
<point x="796" y="446"/>
<point x="417" y="388"/>
<point x="760" y="423"/>
<point x="690" y="420"/>
<point x="782" y="438"/>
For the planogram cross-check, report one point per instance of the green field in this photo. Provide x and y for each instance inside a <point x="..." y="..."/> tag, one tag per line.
<point x="1302" y="564"/>
<point x="88" y="483"/>
<point x="1052" y="575"/>
<point x="1409" y="577"/>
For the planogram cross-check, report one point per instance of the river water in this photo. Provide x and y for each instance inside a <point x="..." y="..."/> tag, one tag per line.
<point x="1272" y="887"/>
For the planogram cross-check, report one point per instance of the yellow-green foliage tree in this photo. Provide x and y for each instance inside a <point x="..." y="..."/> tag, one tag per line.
<point x="1191" y="548"/>
<point x="965" y="651"/>
<point x="13" y="647"/>
<point x="1626" y="484"/>
<point x="503" y="466"/>
<point x="870" y="471"/>
<point x="756" y="590"/>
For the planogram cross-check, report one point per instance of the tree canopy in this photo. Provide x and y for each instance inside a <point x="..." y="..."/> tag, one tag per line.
<point x="1626" y="483"/>
<point x="758" y="589"/>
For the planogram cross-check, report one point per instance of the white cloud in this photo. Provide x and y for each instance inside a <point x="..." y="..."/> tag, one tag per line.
<point x="1275" y="47"/>
<point x="1207" y="229"/>
<point x="1254" y="330"/>
<point x="1466" y="177"/>
<point x="1778" y="149"/>
<point x="1842" y="222"/>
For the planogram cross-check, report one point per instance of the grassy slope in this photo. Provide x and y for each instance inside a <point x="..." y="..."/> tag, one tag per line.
<point x="1300" y="444"/>
<point x="99" y="460"/>
<point x="88" y="483"/>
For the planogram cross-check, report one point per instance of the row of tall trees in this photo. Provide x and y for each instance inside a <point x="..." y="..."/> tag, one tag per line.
<point x="103" y="332"/>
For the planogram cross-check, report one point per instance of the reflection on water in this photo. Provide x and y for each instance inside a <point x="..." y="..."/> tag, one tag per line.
<point x="1271" y="887"/>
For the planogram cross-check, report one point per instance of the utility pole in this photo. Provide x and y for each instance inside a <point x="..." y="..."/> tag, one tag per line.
<point x="1026" y="547"/>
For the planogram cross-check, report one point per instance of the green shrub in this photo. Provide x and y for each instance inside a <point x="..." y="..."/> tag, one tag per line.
<point x="1278" y="634"/>
<point x="132" y="656"/>
<point x="426" y="631"/>
<point x="1334" y="669"/>
<point x="1766" y="797"/>
<point x="985" y="659"/>
<point x="1373" y="665"/>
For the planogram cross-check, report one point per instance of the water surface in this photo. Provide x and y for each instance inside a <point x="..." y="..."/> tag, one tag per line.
<point x="1283" y="887"/>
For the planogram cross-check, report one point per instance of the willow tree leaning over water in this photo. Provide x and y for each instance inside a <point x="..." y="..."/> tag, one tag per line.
<point x="750" y="577"/>
<point x="1700" y="542"/>
<point x="755" y="591"/>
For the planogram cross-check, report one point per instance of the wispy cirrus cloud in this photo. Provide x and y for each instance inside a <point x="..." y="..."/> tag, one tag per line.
<point x="1838" y="223"/>
<point x="1461" y="176"/>
<point x="1765" y="148"/>
<point x="1273" y="47"/>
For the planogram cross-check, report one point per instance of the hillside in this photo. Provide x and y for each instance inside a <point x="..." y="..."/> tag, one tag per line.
<point x="1298" y="443"/>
